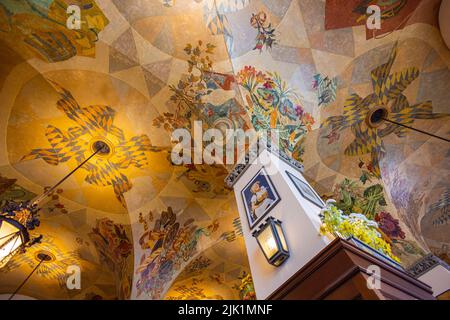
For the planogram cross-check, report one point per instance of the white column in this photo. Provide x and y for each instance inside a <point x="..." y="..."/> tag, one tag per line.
<point x="299" y="217"/>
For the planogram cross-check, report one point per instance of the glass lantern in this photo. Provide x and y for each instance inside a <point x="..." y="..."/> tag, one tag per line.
<point x="271" y="239"/>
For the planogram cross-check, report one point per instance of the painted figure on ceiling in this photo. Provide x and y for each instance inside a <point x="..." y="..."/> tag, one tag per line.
<point x="167" y="247"/>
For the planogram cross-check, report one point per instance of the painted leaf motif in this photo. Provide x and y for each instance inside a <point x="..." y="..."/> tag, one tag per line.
<point x="380" y="74"/>
<point x="360" y="145"/>
<point x="400" y="103"/>
<point x="398" y="82"/>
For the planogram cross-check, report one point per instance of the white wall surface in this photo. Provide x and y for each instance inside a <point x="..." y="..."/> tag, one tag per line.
<point x="438" y="279"/>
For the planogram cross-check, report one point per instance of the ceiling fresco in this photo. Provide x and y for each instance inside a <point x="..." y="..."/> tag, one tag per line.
<point x="175" y="231"/>
<point x="39" y="29"/>
<point x="140" y="227"/>
<point x="73" y="235"/>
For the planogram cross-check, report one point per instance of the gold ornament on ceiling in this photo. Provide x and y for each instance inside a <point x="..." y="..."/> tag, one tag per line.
<point x="387" y="99"/>
<point x="94" y="126"/>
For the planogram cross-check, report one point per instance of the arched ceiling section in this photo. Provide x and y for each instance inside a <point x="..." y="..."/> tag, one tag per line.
<point x="134" y="72"/>
<point x="96" y="242"/>
<point x="52" y="135"/>
<point x="174" y="229"/>
<point x="129" y="82"/>
<point x="339" y="69"/>
<point x="214" y="275"/>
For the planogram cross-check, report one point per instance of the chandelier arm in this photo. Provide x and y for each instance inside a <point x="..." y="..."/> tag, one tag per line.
<point x="415" y="129"/>
<point x="8" y="235"/>
<point x="45" y="194"/>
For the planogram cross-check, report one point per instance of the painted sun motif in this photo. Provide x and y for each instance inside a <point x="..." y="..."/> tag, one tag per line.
<point x="94" y="123"/>
<point x="388" y="94"/>
<point x="55" y="268"/>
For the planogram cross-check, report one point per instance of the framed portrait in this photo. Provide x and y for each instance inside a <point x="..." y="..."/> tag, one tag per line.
<point x="306" y="191"/>
<point x="259" y="197"/>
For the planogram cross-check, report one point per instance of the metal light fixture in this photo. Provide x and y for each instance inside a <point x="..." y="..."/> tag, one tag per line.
<point x="16" y="219"/>
<point x="13" y="236"/>
<point x="42" y="256"/>
<point x="377" y="115"/>
<point x="271" y="239"/>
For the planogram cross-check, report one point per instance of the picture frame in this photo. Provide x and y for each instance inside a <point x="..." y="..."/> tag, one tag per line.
<point x="259" y="197"/>
<point x="306" y="191"/>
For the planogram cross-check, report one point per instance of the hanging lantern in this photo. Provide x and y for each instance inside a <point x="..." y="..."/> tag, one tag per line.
<point x="271" y="239"/>
<point x="13" y="236"/>
<point x="15" y="221"/>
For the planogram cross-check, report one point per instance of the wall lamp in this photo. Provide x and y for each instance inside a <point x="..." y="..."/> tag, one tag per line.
<point x="271" y="239"/>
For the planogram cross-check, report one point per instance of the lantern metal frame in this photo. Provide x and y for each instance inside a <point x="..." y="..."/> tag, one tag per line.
<point x="282" y="253"/>
<point x="22" y="233"/>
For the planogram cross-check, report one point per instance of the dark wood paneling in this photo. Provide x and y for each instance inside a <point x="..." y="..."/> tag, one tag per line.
<point x="339" y="272"/>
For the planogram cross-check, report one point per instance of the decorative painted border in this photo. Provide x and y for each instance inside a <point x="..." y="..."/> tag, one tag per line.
<point x="426" y="264"/>
<point x="240" y="168"/>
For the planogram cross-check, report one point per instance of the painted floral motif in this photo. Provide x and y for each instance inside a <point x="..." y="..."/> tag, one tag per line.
<point x="11" y="191"/>
<point x="367" y="172"/>
<point x="198" y="264"/>
<point x="326" y="89"/>
<point x="246" y="288"/>
<point x="188" y="93"/>
<point x="192" y="292"/>
<point x="338" y="223"/>
<point x="351" y="197"/>
<point x="273" y="105"/>
<point x="112" y="242"/>
<point x="167" y="247"/>
<point x="114" y="247"/>
<point x="75" y="144"/>
<point x="388" y="93"/>
<point x="266" y="33"/>
<point x="192" y="94"/>
<point x="407" y="250"/>
<point x="389" y="225"/>
<point x="54" y="204"/>
<point x="332" y="137"/>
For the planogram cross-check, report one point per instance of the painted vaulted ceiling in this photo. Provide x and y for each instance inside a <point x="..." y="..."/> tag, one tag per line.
<point x="142" y="228"/>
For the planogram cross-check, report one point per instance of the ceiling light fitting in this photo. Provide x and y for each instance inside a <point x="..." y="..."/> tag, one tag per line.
<point x="378" y="115"/>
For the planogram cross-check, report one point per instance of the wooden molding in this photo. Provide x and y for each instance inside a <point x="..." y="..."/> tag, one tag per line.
<point x="339" y="271"/>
